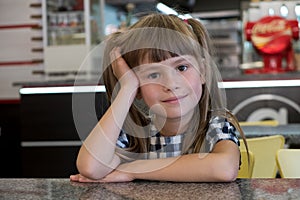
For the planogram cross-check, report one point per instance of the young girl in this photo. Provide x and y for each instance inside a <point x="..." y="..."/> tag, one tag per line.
<point x="167" y="118"/>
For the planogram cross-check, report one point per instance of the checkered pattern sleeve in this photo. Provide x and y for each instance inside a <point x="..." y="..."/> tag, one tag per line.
<point x="160" y="146"/>
<point x="219" y="129"/>
<point x="122" y="141"/>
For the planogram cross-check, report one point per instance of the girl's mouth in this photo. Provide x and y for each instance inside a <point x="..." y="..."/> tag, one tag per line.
<point x="174" y="100"/>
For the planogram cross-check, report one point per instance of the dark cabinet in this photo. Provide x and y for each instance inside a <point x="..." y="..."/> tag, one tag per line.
<point x="50" y="139"/>
<point x="10" y="166"/>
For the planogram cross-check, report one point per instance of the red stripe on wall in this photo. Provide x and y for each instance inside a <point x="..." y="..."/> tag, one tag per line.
<point x="12" y="63"/>
<point x="19" y="26"/>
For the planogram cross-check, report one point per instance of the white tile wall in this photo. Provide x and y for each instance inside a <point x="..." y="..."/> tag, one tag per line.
<point x="9" y="75"/>
<point x="16" y="45"/>
<point x="17" y="12"/>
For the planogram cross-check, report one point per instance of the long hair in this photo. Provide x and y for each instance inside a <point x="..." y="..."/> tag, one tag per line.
<point x="157" y="37"/>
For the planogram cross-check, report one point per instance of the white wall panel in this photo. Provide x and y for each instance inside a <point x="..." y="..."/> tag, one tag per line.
<point x="18" y="12"/>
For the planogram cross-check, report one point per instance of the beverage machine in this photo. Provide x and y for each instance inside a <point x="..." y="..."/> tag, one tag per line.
<point x="270" y="32"/>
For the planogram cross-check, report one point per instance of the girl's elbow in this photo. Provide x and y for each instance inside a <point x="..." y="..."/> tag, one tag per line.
<point x="227" y="174"/>
<point x="93" y="169"/>
<point x="90" y="171"/>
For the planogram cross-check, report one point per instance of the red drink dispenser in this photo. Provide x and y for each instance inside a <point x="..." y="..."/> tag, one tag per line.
<point x="272" y="38"/>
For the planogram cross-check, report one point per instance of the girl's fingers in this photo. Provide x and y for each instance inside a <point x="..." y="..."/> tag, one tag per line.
<point x="114" y="176"/>
<point x="122" y="71"/>
<point x="82" y="179"/>
<point x="74" y="177"/>
<point x="115" y="54"/>
<point x="119" y="65"/>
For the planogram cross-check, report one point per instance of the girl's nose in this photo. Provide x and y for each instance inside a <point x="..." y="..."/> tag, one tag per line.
<point x="171" y="82"/>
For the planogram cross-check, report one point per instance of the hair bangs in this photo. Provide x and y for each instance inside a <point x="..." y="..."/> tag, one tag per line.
<point x="148" y="55"/>
<point x="155" y="44"/>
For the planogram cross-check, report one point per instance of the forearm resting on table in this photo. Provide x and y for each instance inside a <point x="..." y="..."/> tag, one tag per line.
<point x="95" y="166"/>
<point x="211" y="167"/>
<point x="97" y="156"/>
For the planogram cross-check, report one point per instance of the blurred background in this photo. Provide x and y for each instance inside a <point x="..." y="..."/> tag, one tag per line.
<point x="44" y="42"/>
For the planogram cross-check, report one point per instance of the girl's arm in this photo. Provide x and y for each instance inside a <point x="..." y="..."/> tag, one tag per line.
<point x="221" y="165"/>
<point x="97" y="156"/>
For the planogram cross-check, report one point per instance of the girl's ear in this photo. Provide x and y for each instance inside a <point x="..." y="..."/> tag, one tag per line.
<point x="202" y="78"/>
<point x="202" y="71"/>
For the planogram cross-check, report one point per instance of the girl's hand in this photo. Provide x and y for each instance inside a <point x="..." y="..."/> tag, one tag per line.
<point x="82" y="179"/>
<point x="122" y="71"/>
<point x="114" y="176"/>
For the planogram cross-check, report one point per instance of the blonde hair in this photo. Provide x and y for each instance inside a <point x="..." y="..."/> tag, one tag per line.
<point x="151" y="37"/>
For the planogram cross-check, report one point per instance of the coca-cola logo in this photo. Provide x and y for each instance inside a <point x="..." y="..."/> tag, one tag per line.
<point x="271" y="34"/>
<point x="271" y="27"/>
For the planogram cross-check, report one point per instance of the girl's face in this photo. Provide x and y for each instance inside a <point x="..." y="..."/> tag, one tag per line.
<point x="171" y="88"/>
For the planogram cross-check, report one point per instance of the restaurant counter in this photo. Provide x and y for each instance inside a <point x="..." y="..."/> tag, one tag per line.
<point x="64" y="189"/>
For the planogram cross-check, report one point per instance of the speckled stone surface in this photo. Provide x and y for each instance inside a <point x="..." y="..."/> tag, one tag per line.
<point x="11" y="189"/>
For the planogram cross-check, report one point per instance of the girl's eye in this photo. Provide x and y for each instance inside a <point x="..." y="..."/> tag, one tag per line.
<point x="182" y="68"/>
<point x="153" y="75"/>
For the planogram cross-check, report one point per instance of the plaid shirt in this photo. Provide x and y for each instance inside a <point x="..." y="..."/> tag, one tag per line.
<point x="171" y="146"/>
<point x="164" y="147"/>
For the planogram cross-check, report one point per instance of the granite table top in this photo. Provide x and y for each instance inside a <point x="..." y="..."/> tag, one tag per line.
<point x="144" y="190"/>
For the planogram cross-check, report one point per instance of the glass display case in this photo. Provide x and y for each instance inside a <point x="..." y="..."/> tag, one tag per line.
<point x="70" y="29"/>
